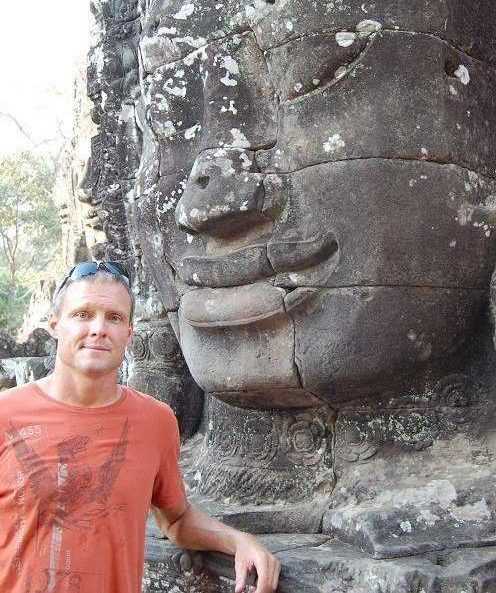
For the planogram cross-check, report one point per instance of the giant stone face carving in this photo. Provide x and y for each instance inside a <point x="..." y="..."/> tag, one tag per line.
<point x="316" y="203"/>
<point x="307" y="201"/>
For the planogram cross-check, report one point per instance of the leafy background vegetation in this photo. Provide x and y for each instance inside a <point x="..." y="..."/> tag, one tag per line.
<point x="29" y="231"/>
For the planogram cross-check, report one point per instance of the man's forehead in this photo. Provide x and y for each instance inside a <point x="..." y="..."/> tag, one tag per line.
<point x="97" y="292"/>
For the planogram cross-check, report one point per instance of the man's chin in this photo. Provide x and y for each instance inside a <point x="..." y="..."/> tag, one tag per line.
<point x="97" y="369"/>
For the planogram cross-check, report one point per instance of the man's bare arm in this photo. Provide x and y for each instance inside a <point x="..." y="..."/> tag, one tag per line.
<point x="190" y="528"/>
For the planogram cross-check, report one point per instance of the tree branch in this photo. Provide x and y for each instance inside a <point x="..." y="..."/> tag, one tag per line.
<point x="18" y="125"/>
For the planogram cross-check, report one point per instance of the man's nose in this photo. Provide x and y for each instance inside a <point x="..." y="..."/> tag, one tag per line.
<point x="224" y="190"/>
<point x="98" y="326"/>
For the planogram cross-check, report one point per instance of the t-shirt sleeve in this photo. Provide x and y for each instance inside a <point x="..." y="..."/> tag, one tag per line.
<point x="168" y="488"/>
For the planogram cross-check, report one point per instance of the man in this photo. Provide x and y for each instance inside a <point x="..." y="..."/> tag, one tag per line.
<point x="82" y="458"/>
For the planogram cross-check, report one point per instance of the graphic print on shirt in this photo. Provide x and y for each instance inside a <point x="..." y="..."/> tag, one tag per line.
<point x="71" y="496"/>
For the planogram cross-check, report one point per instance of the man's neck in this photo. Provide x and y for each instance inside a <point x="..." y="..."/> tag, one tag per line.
<point x="81" y="390"/>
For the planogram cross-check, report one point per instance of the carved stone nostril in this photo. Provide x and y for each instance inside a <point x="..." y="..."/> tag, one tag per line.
<point x="203" y="181"/>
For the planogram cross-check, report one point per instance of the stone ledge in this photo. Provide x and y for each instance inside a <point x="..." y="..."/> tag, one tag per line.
<point x="316" y="564"/>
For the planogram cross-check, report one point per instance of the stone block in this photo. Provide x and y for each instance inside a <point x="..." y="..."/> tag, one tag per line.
<point x="215" y="201"/>
<point x="311" y="565"/>
<point x="382" y="222"/>
<point x="429" y="103"/>
<point x="353" y="341"/>
<point x="219" y="96"/>
<point x="156" y="367"/>
<point x="452" y="20"/>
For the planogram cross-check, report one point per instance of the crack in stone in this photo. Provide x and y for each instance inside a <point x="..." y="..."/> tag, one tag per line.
<point x="335" y="81"/>
<point x="319" y="163"/>
<point x="429" y="407"/>
<point x="300" y="546"/>
<point x="111" y="31"/>
<point x="182" y="170"/>
<point x="295" y="363"/>
<point x="333" y="458"/>
<point x="382" y="158"/>
<point x="433" y="286"/>
<point x="274" y="86"/>
<point x="270" y="264"/>
<point x="289" y="40"/>
<point x="213" y="41"/>
<point x="331" y="32"/>
<point x="117" y="23"/>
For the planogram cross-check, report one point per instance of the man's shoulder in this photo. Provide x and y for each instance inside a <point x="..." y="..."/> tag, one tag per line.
<point x="17" y="393"/>
<point x="17" y="400"/>
<point x="149" y="404"/>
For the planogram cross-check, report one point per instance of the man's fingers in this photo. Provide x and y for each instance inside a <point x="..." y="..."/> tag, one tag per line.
<point x="241" y="570"/>
<point x="251" y="557"/>
<point x="264" y="580"/>
<point x="275" y="578"/>
<point x="268" y="574"/>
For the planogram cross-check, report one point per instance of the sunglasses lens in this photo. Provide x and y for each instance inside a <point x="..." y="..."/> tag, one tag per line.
<point x="116" y="268"/>
<point x="83" y="269"/>
<point x="88" y="268"/>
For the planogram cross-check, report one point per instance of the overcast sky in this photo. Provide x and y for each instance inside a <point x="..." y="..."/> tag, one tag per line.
<point x="40" y="46"/>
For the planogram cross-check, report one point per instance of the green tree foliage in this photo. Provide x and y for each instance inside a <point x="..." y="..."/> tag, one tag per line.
<point x="13" y="304"/>
<point x="29" y="231"/>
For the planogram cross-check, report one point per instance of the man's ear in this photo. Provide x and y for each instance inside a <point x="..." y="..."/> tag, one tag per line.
<point x="52" y="325"/>
<point x="130" y="336"/>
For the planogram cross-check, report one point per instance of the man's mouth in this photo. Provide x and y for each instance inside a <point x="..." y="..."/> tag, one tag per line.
<point x="95" y="347"/>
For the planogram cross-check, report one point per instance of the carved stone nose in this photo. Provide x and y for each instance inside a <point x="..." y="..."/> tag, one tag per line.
<point x="223" y="192"/>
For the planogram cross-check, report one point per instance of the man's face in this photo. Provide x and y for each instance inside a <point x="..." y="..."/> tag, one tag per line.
<point x="326" y="209"/>
<point x="92" y="327"/>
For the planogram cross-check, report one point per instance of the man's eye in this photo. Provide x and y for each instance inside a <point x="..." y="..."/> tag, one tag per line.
<point x="81" y="314"/>
<point x="116" y="318"/>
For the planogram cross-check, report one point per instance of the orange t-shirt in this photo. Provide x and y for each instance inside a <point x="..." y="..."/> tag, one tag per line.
<point x="76" y="485"/>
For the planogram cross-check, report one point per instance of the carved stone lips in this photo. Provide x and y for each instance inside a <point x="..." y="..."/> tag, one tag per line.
<point x="238" y="305"/>
<point x="255" y="262"/>
<point x="232" y="292"/>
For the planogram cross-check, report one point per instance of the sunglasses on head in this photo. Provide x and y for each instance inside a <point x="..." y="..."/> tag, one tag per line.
<point x="90" y="268"/>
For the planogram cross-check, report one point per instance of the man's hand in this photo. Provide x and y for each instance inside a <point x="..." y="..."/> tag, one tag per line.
<point x="192" y="529"/>
<point x="249" y="555"/>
